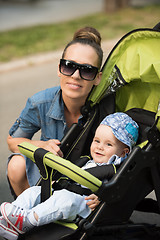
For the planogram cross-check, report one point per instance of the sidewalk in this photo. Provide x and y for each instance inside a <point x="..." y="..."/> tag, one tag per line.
<point x="47" y="57"/>
<point x="20" y="14"/>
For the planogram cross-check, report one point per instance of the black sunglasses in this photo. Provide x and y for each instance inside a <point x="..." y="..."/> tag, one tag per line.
<point x="86" y="71"/>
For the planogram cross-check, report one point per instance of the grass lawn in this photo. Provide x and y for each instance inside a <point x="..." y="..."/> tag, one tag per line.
<point x="18" y="43"/>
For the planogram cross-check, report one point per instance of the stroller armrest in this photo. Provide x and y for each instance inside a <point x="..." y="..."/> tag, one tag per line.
<point x="61" y="165"/>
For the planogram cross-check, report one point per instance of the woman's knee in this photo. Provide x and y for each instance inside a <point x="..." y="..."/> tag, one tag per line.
<point x="16" y="168"/>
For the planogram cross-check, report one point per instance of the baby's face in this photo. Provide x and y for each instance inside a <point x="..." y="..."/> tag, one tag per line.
<point x="105" y="144"/>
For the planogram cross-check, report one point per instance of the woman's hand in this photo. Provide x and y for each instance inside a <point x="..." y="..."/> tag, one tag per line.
<point x="93" y="201"/>
<point x="52" y="146"/>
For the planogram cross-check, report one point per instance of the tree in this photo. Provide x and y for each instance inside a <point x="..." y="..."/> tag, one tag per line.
<point x="113" y="5"/>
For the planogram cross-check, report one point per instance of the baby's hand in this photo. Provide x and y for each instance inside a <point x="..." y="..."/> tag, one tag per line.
<point x="93" y="201"/>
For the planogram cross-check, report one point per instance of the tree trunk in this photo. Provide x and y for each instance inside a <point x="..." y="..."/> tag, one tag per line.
<point x="114" y="5"/>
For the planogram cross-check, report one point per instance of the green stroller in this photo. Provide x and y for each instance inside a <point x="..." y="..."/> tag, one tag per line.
<point x="130" y="83"/>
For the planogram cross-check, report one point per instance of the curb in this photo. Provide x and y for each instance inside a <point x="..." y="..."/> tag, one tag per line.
<point x="29" y="61"/>
<point x="46" y="57"/>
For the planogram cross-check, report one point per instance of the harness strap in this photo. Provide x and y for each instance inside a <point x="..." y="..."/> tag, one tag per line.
<point x="105" y="172"/>
<point x="38" y="157"/>
<point x="46" y="173"/>
<point x="71" y="186"/>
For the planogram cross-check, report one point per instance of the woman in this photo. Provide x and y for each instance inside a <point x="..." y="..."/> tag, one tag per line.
<point x="54" y="110"/>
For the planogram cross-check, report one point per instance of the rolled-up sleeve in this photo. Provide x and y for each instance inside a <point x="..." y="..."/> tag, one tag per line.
<point x="28" y="123"/>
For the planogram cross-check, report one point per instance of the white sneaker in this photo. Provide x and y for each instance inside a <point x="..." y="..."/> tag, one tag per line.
<point x="16" y="216"/>
<point x="7" y="231"/>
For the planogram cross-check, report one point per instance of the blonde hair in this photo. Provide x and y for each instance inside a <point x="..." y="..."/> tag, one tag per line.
<point x="87" y="36"/>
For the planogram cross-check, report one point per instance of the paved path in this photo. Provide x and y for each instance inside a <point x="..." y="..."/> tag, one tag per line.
<point x="15" y="14"/>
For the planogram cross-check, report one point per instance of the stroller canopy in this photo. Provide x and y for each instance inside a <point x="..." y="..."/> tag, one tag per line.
<point x="135" y="59"/>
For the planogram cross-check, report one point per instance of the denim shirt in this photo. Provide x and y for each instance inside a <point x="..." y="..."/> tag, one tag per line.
<point x="43" y="111"/>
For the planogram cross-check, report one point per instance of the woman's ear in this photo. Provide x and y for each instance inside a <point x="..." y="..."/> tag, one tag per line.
<point x="98" y="78"/>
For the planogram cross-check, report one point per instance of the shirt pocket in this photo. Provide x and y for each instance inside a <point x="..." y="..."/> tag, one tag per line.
<point x="52" y="129"/>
